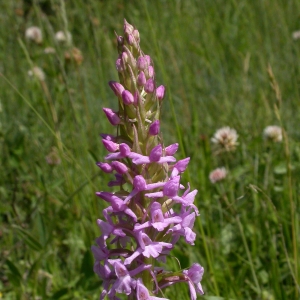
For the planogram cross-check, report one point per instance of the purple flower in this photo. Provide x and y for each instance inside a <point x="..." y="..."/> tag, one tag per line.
<point x="147" y="248"/>
<point x="172" y="149"/>
<point x="154" y="128"/>
<point x="143" y="293"/>
<point x="149" y="86"/>
<point x="110" y="146"/>
<point x="117" y="205"/>
<point x="141" y="80"/>
<point x="142" y="63"/>
<point x="119" y="167"/>
<point x="160" y="92"/>
<point x="112" y="117"/>
<point x="158" y="221"/>
<point x="150" y="209"/>
<point x="194" y="275"/>
<point x="127" y="97"/>
<point x="117" y="88"/>
<point x="155" y="156"/>
<point x="105" y="167"/>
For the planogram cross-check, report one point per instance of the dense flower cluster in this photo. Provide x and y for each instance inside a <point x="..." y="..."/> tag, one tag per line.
<point x="273" y="133"/>
<point x="152" y="209"/>
<point x="225" y="139"/>
<point x="217" y="175"/>
<point x="34" y="34"/>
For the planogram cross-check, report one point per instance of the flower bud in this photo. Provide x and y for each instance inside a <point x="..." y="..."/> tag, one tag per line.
<point x="136" y="35"/>
<point x="124" y="149"/>
<point x="172" y="149"/>
<point x="154" y="128"/>
<point x="150" y="71"/>
<point x="110" y="146"/>
<point x="149" y="86"/>
<point x="148" y="59"/>
<point x="119" y="167"/>
<point x="130" y="39"/>
<point x="112" y="117"/>
<point x="171" y="187"/>
<point x="120" y="41"/>
<point x="141" y="63"/>
<point x="108" y="137"/>
<point x="105" y="167"/>
<point x="141" y="80"/>
<point x="160" y="92"/>
<point x="124" y="58"/>
<point x="156" y="153"/>
<point x="117" y="88"/>
<point x="119" y="65"/>
<point x="128" y="28"/>
<point x="127" y="97"/>
<point x="136" y="98"/>
<point x="181" y="165"/>
<point x="139" y="183"/>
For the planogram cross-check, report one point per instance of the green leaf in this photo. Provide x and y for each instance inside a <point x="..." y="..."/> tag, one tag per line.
<point x="87" y="264"/>
<point x="15" y="277"/>
<point x="60" y="293"/>
<point x="29" y="239"/>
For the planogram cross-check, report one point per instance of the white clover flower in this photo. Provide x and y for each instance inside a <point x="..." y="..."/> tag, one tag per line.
<point x="34" y="34"/>
<point x="49" y="50"/>
<point x="296" y="35"/>
<point x="273" y="133"/>
<point x="225" y="138"/>
<point x="63" y="37"/>
<point x="217" y="175"/>
<point x="38" y="73"/>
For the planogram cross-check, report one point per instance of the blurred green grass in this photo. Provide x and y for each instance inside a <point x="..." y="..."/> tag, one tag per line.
<point x="213" y="56"/>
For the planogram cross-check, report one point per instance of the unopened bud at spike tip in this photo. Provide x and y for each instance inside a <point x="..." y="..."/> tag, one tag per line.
<point x="128" y="28"/>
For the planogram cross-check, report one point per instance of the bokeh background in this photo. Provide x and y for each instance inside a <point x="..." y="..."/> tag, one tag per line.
<point x="224" y="63"/>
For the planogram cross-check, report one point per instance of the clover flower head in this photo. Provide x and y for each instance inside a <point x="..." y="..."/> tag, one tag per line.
<point x="34" y="34"/>
<point x="49" y="50"/>
<point x="296" y="35"/>
<point x="225" y="138"/>
<point x="38" y="73"/>
<point x="217" y="175"/>
<point x="139" y="226"/>
<point x="63" y="37"/>
<point x="273" y="133"/>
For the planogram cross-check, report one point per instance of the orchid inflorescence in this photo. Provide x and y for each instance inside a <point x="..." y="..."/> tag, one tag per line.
<point x="149" y="213"/>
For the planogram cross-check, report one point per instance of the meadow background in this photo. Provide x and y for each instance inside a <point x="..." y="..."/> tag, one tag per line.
<point x="225" y="63"/>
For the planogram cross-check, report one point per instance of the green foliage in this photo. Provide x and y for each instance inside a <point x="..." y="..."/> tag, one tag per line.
<point x="214" y="58"/>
